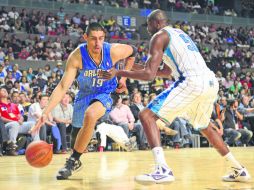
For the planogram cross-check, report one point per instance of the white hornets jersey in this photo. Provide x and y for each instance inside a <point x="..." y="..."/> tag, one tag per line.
<point x="182" y="55"/>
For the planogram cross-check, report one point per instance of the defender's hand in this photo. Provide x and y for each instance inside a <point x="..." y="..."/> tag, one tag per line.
<point x="122" y="88"/>
<point x="108" y="74"/>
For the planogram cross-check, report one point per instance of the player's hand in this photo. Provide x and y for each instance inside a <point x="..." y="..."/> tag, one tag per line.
<point x="41" y="121"/>
<point x="122" y="88"/>
<point x="220" y="132"/>
<point x="108" y="74"/>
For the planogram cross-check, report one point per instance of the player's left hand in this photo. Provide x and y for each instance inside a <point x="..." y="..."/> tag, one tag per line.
<point x="122" y="88"/>
<point x="109" y="74"/>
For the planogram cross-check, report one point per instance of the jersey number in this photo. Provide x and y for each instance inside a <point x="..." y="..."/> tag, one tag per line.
<point x="97" y="82"/>
<point x="191" y="45"/>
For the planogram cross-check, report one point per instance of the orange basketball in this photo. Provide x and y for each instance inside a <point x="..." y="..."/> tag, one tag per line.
<point x="39" y="154"/>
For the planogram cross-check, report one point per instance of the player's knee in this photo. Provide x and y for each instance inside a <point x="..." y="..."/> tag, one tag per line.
<point x="90" y="115"/>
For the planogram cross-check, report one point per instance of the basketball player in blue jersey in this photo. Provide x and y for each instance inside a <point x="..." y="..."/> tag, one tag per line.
<point x="93" y="99"/>
<point x="191" y="95"/>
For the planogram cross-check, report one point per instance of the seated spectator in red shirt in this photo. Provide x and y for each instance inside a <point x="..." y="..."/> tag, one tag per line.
<point x="14" y="122"/>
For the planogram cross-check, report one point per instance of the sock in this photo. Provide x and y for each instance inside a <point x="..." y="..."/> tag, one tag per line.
<point x="229" y="157"/>
<point x="158" y="155"/>
<point x="76" y="155"/>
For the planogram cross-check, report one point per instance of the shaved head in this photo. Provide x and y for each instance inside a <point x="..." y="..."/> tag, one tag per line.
<point x="157" y="15"/>
<point x="156" y="20"/>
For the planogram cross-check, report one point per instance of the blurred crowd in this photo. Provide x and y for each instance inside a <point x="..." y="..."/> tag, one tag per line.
<point x="190" y="6"/>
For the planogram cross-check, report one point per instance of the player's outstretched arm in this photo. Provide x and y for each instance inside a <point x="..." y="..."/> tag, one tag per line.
<point x="157" y="44"/>
<point x="72" y="66"/>
<point x="165" y="72"/>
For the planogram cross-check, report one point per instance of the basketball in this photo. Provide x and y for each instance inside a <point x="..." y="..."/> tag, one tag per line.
<point x="39" y="154"/>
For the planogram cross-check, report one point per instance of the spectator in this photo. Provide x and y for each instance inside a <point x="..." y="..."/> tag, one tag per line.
<point x="234" y="135"/>
<point x="2" y="73"/>
<point x="136" y="105"/>
<point x="24" y="54"/>
<point x="47" y="71"/>
<point x="2" y="55"/>
<point x="30" y="74"/>
<point x="25" y="104"/>
<point x="61" y="14"/>
<point x="16" y="73"/>
<point x="16" y="100"/>
<point x="182" y="137"/>
<point x="35" y="86"/>
<point x="42" y="83"/>
<point x="134" y="4"/>
<point x="35" y="111"/>
<point x="40" y="28"/>
<point x="62" y="115"/>
<point x="24" y="85"/>
<point x="121" y="115"/>
<point x="58" y="68"/>
<point x="13" y="15"/>
<point x="33" y="57"/>
<point x="14" y="122"/>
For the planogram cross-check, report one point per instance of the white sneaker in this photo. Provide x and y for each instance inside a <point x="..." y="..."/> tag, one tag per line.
<point x="240" y="175"/>
<point x="162" y="174"/>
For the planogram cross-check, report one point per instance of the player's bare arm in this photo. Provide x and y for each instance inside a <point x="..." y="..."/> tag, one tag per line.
<point x="72" y="65"/>
<point x="165" y="72"/>
<point x="156" y="48"/>
<point x="119" y="52"/>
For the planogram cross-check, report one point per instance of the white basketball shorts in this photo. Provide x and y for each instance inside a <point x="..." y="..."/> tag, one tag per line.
<point x="189" y="97"/>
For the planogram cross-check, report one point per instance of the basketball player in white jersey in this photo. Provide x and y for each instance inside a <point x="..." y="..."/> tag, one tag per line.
<point x="191" y="95"/>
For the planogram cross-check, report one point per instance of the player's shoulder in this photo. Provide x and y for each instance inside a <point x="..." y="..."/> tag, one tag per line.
<point x="75" y="57"/>
<point x="170" y="30"/>
<point x="161" y="37"/>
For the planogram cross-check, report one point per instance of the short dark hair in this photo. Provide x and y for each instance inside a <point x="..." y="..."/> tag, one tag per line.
<point x="115" y="98"/>
<point x="42" y="96"/>
<point x="14" y="92"/>
<point x="94" y="26"/>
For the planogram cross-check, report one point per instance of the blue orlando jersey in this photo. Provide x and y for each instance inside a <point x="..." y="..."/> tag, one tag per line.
<point x="88" y="80"/>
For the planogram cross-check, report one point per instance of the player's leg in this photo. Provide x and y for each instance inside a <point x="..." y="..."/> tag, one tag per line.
<point x="238" y="172"/>
<point x="201" y="113"/>
<point x="167" y="106"/>
<point x="74" y="133"/>
<point x="162" y="173"/>
<point x="83" y="138"/>
<point x="86" y="132"/>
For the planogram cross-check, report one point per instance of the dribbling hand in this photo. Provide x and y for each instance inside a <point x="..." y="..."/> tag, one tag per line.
<point x="41" y="121"/>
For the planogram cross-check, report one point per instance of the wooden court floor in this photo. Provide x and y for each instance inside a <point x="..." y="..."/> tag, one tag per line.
<point x="198" y="168"/>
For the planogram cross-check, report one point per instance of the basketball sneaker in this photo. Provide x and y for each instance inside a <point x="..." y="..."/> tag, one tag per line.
<point x="71" y="166"/>
<point x="131" y="144"/>
<point x="237" y="175"/>
<point x="162" y="174"/>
